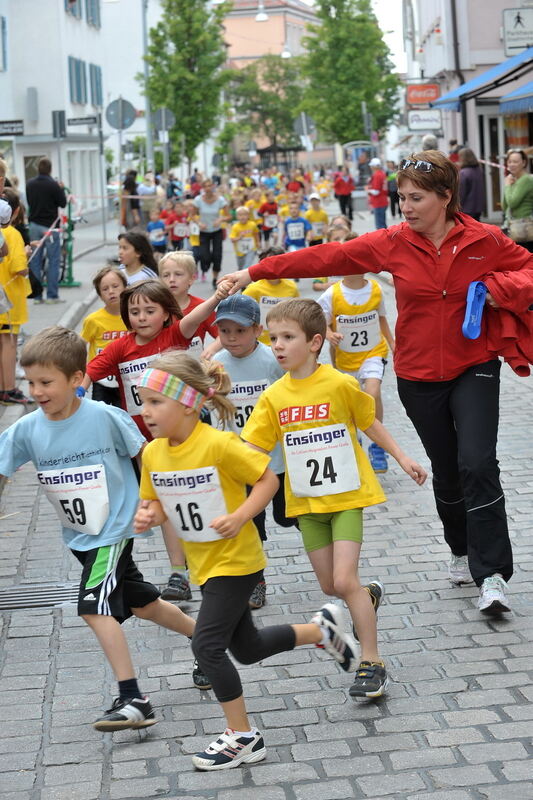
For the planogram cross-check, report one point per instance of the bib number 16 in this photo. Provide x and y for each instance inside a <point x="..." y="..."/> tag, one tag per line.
<point x="189" y="517"/>
<point x="321" y="471"/>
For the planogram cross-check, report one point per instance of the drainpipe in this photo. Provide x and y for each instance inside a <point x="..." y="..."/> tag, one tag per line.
<point x="464" y="120"/>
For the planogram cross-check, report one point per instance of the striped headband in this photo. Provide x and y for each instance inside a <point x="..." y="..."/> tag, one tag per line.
<point x="171" y="386"/>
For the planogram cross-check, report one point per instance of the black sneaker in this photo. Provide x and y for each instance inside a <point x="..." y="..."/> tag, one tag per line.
<point x="199" y="678"/>
<point x="16" y="397"/>
<point x="177" y="588"/>
<point x="258" y="596"/>
<point x="376" y="590"/>
<point x="370" y="680"/>
<point x="131" y="713"/>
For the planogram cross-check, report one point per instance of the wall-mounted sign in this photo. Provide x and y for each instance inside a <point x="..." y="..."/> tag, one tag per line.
<point x="424" y="119"/>
<point x="421" y="94"/>
<point x="517" y="29"/>
<point x="12" y="127"/>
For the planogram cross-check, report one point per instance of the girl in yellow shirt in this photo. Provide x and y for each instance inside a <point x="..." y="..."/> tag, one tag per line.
<point x="196" y="476"/>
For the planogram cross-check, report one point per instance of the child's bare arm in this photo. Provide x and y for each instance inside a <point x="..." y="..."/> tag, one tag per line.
<point x="334" y="337"/>
<point x="191" y="321"/>
<point x="149" y="513"/>
<point x="380" y="435"/>
<point x="229" y="525"/>
<point x="387" y="333"/>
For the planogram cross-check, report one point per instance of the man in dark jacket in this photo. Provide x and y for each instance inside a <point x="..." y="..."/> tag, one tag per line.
<point x="45" y="196"/>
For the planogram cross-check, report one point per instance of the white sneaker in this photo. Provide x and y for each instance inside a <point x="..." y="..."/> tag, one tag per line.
<point x="492" y="599"/>
<point x="459" y="570"/>
<point x="341" y="646"/>
<point x="229" y="751"/>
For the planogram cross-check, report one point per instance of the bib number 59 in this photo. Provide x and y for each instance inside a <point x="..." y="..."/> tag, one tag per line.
<point x="321" y="471"/>
<point x="74" y="511"/>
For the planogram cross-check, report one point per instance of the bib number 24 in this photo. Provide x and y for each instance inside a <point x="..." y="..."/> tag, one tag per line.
<point x="321" y="471"/>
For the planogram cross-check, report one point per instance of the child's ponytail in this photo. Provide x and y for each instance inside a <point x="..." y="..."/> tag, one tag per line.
<point x="220" y="387"/>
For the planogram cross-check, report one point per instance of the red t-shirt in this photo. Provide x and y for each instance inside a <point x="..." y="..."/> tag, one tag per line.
<point x="127" y="360"/>
<point x="208" y="325"/>
<point x="378" y="181"/>
<point x="267" y="209"/>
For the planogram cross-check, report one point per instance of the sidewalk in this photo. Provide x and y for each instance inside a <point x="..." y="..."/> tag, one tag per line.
<point x="456" y="724"/>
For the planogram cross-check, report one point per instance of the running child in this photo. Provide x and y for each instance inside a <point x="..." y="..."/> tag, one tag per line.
<point x="252" y="367"/>
<point x="104" y="326"/>
<point x="157" y="234"/>
<point x="136" y="257"/>
<point x="318" y="219"/>
<point x="268" y="212"/>
<point x="194" y="232"/>
<point x="315" y="411"/>
<point x="269" y="293"/>
<point x="99" y="440"/>
<point x="297" y="229"/>
<point x="245" y="237"/>
<point x="360" y="337"/>
<point x="178" y="226"/>
<point x="223" y="549"/>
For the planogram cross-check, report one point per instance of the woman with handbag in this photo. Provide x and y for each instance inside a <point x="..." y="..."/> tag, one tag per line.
<point x="518" y="199"/>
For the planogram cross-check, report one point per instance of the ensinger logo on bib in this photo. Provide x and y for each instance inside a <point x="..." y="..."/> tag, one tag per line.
<point x="77" y="478"/>
<point x="303" y="413"/>
<point x="133" y="366"/>
<point x="161" y="479"/>
<point x="248" y="389"/>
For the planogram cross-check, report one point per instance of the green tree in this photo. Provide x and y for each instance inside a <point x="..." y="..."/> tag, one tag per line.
<point x="347" y="62"/>
<point x="186" y="54"/>
<point x="266" y="95"/>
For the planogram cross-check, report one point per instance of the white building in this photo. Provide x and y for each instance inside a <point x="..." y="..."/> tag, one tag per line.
<point x="51" y="60"/>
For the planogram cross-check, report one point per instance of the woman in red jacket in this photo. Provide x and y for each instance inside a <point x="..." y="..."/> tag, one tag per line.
<point x="449" y="385"/>
<point x="343" y="186"/>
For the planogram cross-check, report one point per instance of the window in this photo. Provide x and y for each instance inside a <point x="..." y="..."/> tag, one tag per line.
<point x="73" y="7"/>
<point x="77" y="76"/>
<point x="95" y="78"/>
<point x="92" y="12"/>
<point x="3" y="44"/>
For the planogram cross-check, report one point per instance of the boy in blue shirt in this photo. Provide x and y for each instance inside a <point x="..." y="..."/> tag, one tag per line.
<point x="157" y="233"/>
<point x="82" y="451"/>
<point x="297" y="229"/>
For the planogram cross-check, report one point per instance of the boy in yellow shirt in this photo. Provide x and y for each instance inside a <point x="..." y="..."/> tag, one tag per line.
<point x="314" y="411"/>
<point x="245" y="237"/>
<point x="269" y="293"/>
<point x="318" y="219"/>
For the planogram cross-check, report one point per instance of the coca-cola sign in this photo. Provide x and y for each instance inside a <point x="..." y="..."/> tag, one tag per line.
<point x="420" y="94"/>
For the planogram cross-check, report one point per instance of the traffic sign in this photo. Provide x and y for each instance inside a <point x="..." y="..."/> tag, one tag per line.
<point x="92" y="120"/>
<point x="163" y="119"/>
<point x="120" y="114"/>
<point x="517" y="29"/>
<point x="12" y="127"/>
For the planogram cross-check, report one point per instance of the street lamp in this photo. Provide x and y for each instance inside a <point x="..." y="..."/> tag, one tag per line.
<point x="147" y="108"/>
<point x="261" y="15"/>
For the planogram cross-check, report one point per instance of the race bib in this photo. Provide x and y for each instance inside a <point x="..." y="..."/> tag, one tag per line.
<point x="318" y="229"/>
<point x="194" y="229"/>
<point x="270" y="220"/>
<point x="321" y="461"/>
<point x="245" y="245"/>
<point x="196" y="347"/>
<point x="265" y="304"/>
<point x="79" y="496"/>
<point x="244" y="396"/>
<point x="110" y="382"/>
<point x="361" y="332"/>
<point x="181" y="230"/>
<point x="130" y="374"/>
<point x="157" y="236"/>
<point x="295" y="230"/>
<point x="191" y="498"/>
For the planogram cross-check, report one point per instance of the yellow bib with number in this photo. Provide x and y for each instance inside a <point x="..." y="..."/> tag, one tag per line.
<point x="359" y="324"/>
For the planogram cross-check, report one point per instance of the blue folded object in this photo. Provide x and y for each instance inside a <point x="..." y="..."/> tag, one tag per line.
<point x="475" y="302"/>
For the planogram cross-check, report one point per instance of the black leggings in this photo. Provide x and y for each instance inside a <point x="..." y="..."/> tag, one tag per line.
<point x="211" y="250"/>
<point x="345" y="203"/>
<point x="457" y="422"/>
<point x="225" y="623"/>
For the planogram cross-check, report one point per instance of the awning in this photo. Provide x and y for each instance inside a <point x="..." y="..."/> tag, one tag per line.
<point x="510" y="70"/>
<point x="518" y="102"/>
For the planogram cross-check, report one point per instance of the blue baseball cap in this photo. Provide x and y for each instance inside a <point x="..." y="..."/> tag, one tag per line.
<point x="239" y="308"/>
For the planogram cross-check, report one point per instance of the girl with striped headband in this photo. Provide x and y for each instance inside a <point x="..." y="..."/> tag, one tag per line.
<point x="196" y="476"/>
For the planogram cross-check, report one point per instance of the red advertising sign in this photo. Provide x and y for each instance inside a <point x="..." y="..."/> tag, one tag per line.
<point x="420" y="94"/>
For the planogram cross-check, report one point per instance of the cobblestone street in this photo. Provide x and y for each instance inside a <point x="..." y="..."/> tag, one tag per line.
<point x="456" y="724"/>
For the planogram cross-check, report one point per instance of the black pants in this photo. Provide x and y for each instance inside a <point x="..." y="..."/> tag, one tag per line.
<point x="106" y="394"/>
<point x="211" y="250"/>
<point x="225" y="622"/>
<point x="278" y="510"/>
<point x="345" y="203"/>
<point x="457" y="422"/>
<point x="394" y="203"/>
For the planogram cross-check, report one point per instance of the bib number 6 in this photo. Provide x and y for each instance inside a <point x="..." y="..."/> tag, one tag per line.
<point x="321" y="472"/>
<point x="136" y="398"/>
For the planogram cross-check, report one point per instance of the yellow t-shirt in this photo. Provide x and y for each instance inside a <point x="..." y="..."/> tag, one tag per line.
<point x="17" y="287"/>
<point x="99" y="329"/>
<point x="254" y="206"/>
<point x="244" y="237"/>
<point x="200" y="479"/>
<point x="319" y="220"/>
<point x="360" y="325"/>
<point x="194" y="231"/>
<point x="269" y="294"/>
<point x="325" y="465"/>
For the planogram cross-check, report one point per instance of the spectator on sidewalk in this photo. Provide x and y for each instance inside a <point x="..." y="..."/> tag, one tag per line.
<point x="45" y="196"/>
<point x="378" y="193"/>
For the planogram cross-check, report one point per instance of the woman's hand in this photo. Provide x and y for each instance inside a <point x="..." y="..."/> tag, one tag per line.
<point x="489" y="300"/>
<point x="509" y="180"/>
<point x="240" y="280"/>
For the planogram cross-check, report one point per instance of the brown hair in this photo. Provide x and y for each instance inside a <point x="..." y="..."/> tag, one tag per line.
<point x="521" y="153"/>
<point x="307" y="314"/>
<point x="443" y="177"/>
<point x="338" y="228"/>
<point x="100" y="275"/>
<point x="201" y="375"/>
<point x="271" y="251"/>
<point x="142" y="247"/>
<point x="152" y="290"/>
<point x="56" y="347"/>
<point x="13" y="199"/>
<point x="44" y="167"/>
<point x="467" y="158"/>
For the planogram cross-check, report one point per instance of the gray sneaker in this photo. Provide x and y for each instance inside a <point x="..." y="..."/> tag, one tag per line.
<point x="177" y="588"/>
<point x="492" y="598"/>
<point x="459" y="571"/>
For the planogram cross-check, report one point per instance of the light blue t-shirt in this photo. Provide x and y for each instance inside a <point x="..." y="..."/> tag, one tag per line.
<point x="250" y="376"/>
<point x="83" y="466"/>
<point x="209" y="213"/>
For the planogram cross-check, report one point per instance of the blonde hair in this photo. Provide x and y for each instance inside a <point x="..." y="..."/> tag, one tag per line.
<point x="242" y="208"/>
<point x="182" y="258"/>
<point x="3" y="168"/>
<point x="201" y="375"/>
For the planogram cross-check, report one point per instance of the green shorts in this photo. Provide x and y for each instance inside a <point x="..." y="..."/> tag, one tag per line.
<point x="320" y="530"/>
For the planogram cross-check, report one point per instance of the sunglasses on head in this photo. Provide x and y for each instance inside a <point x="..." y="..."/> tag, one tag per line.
<point x="423" y="166"/>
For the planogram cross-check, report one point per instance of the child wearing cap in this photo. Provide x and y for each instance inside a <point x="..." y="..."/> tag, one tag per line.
<point x="252" y="368"/>
<point x="318" y="219"/>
